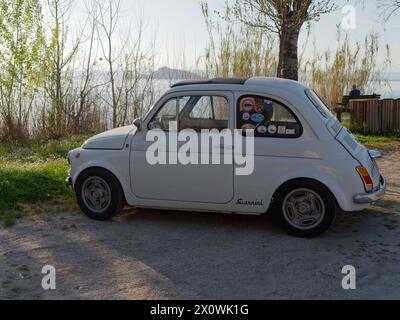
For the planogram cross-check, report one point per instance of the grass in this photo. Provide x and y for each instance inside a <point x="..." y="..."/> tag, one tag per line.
<point x="388" y="141"/>
<point x="32" y="178"/>
<point x="24" y="268"/>
<point x="383" y="142"/>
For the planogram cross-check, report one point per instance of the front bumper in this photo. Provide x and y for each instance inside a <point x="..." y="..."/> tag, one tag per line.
<point x="68" y="182"/>
<point x="365" y="198"/>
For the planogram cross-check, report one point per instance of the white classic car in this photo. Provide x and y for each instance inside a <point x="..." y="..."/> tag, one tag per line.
<point x="304" y="165"/>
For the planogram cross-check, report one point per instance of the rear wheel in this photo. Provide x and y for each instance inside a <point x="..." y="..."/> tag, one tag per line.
<point x="99" y="194"/>
<point x="305" y="209"/>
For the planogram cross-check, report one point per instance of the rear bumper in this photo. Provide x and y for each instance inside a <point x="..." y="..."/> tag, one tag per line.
<point x="365" y="198"/>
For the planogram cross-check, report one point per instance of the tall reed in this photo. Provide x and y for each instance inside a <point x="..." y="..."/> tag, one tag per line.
<point x="236" y="51"/>
<point x="332" y="74"/>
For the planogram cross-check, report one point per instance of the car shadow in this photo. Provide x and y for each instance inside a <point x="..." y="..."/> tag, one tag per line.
<point x="200" y="219"/>
<point x="153" y="254"/>
<point x="222" y="256"/>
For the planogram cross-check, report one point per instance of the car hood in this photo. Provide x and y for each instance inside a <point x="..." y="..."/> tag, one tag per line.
<point x="110" y="140"/>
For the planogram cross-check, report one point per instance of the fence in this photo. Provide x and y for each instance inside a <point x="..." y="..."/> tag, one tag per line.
<point x="375" y="116"/>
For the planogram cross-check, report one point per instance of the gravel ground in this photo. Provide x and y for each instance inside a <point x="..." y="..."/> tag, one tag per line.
<point x="147" y="254"/>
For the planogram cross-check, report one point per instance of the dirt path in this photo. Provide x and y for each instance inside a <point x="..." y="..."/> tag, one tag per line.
<point x="156" y="255"/>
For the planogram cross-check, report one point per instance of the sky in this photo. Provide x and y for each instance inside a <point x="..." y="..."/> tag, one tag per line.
<point x="177" y="29"/>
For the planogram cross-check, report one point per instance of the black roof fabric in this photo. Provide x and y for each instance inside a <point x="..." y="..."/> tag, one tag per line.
<point x="239" y="81"/>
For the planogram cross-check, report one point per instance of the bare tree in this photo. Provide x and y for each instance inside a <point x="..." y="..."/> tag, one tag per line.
<point x="135" y="88"/>
<point x="283" y="17"/>
<point x="57" y="84"/>
<point x="109" y="13"/>
<point x="130" y="67"/>
<point x="87" y="84"/>
<point x="389" y="8"/>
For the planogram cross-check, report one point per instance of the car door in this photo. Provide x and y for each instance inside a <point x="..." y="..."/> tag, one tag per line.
<point x="185" y="181"/>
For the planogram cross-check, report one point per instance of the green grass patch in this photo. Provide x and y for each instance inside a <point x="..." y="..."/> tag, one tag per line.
<point x="388" y="141"/>
<point x="41" y="150"/>
<point x="32" y="178"/>
<point x="384" y="142"/>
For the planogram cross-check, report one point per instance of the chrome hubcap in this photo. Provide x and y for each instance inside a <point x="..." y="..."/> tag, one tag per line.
<point x="303" y="209"/>
<point x="96" y="194"/>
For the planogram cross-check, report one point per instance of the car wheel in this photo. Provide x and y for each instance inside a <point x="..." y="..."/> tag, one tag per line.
<point x="305" y="209"/>
<point x="99" y="194"/>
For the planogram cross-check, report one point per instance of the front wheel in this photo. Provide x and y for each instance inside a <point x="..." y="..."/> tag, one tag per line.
<point x="305" y="209"/>
<point x="99" y="194"/>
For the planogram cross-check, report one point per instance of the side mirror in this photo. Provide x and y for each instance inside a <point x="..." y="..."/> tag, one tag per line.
<point x="138" y="123"/>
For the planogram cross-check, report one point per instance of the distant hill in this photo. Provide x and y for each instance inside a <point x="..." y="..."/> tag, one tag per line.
<point x="166" y="73"/>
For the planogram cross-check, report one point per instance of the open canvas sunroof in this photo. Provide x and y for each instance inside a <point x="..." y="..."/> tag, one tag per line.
<point x="239" y="81"/>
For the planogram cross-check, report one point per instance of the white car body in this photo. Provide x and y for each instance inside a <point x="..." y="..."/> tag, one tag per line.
<point x="325" y="152"/>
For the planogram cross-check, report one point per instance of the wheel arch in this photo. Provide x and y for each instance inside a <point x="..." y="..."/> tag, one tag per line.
<point x="103" y="168"/>
<point x="330" y="187"/>
<point x="302" y="180"/>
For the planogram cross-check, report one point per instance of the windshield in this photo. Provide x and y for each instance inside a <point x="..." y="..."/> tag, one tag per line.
<point x="319" y="104"/>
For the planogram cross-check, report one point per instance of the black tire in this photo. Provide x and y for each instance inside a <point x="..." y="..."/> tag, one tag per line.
<point x="116" y="201"/>
<point x="326" y="220"/>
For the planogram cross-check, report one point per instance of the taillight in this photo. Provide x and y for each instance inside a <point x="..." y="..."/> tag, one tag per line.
<point x="366" y="178"/>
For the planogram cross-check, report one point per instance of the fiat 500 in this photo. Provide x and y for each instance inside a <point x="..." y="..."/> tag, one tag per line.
<point x="304" y="168"/>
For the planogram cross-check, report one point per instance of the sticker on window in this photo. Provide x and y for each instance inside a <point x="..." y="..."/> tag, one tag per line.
<point x="248" y="126"/>
<point x="282" y="130"/>
<point x="272" y="129"/>
<point x="257" y="118"/>
<point x="268" y="106"/>
<point x="262" y="129"/>
<point x="247" y="105"/>
<point x="259" y="108"/>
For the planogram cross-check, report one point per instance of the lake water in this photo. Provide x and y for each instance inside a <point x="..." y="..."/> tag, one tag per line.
<point x="393" y="92"/>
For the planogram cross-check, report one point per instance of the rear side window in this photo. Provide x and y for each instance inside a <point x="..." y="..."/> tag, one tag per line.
<point x="319" y="104"/>
<point x="267" y="117"/>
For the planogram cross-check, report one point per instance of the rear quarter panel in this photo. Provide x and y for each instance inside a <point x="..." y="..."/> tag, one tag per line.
<point x="279" y="162"/>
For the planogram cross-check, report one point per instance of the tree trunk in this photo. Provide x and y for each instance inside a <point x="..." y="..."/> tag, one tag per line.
<point x="288" y="54"/>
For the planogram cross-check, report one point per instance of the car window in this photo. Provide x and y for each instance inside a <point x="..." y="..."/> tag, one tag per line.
<point x="203" y="109"/>
<point x="211" y="107"/>
<point x="166" y="117"/>
<point x="221" y="108"/>
<point x="205" y="113"/>
<point x="267" y="117"/>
